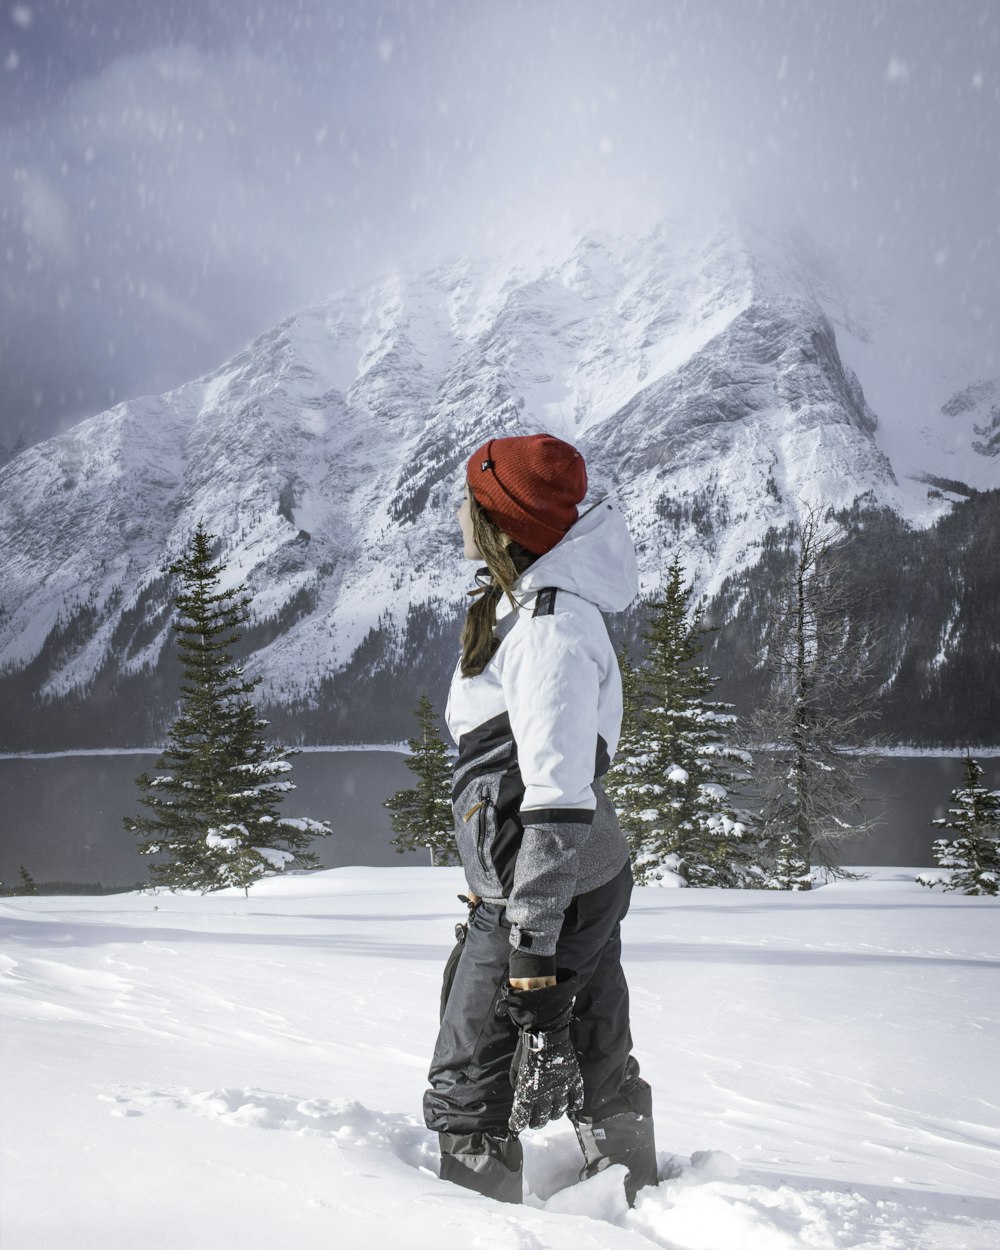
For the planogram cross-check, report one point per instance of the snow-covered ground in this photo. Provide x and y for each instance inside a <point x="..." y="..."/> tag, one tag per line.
<point x="229" y="1073"/>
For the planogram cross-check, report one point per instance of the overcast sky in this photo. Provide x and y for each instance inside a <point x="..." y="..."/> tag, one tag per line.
<point x="177" y="175"/>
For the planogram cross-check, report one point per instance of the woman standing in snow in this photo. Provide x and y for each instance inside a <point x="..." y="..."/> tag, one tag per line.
<point x="535" y="1020"/>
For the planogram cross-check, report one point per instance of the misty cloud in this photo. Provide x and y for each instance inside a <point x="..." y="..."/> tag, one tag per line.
<point x="178" y="181"/>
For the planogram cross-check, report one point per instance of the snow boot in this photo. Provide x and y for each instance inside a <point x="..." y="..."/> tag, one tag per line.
<point x="622" y="1133"/>
<point x="486" y="1162"/>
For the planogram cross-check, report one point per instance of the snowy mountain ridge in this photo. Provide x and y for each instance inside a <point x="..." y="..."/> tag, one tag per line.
<point x="701" y="372"/>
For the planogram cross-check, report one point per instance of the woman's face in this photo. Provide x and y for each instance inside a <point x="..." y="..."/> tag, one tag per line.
<point x="464" y="516"/>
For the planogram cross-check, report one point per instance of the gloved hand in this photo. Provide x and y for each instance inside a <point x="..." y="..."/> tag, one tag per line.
<point x="545" y="1072"/>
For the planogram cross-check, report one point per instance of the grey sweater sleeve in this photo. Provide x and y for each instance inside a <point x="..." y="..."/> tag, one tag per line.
<point x="544" y="883"/>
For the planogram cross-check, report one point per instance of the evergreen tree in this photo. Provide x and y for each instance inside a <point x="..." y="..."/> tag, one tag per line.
<point x="423" y="816"/>
<point x="27" y="885"/>
<point x="675" y="764"/>
<point x="819" y="659"/>
<point x="214" y="818"/>
<point x="629" y="755"/>
<point x="974" y="854"/>
<point x="786" y="869"/>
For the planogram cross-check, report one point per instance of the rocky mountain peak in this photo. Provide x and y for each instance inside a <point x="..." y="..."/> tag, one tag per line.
<point x="702" y="371"/>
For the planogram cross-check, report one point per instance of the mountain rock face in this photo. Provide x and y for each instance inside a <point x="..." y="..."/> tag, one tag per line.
<point x="702" y="374"/>
<point x="982" y="400"/>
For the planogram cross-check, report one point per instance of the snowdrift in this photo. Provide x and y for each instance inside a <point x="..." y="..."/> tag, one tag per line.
<point x="229" y="1072"/>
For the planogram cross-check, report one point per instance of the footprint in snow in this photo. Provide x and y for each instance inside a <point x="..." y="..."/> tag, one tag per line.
<point x="343" y="1120"/>
<point x="701" y="1200"/>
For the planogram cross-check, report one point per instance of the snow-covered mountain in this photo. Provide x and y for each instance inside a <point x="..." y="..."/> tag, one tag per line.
<point x="718" y="379"/>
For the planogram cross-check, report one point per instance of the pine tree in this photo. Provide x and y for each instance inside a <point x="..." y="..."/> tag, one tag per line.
<point x="27" y="885"/>
<point x="787" y="870"/>
<point x="974" y="854"/>
<point x="214" y="818"/>
<point x="819" y="661"/>
<point x="423" y="816"/>
<point x="675" y="764"/>
<point x="622" y="777"/>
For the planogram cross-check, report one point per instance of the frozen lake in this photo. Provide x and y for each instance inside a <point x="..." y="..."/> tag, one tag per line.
<point x="61" y="816"/>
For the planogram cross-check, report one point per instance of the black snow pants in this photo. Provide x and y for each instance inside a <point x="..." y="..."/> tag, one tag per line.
<point x="470" y="1097"/>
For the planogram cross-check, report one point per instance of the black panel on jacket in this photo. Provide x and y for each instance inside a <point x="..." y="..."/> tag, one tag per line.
<point x="545" y="602"/>
<point x="480" y="755"/>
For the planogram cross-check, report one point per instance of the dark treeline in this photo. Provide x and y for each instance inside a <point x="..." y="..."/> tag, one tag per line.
<point x="931" y="599"/>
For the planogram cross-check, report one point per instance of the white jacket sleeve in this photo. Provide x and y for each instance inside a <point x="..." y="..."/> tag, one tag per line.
<point x="551" y="679"/>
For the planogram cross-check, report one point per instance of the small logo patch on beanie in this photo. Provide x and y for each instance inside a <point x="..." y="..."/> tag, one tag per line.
<point x="487" y="464"/>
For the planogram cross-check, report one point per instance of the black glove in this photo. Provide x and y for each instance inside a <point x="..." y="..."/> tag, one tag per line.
<point x="545" y="1072"/>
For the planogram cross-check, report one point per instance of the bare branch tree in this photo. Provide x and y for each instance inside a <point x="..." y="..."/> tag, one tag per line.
<point x="819" y="662"/>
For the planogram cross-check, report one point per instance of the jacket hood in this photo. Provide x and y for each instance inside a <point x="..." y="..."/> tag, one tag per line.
<point x="596" y="560"/>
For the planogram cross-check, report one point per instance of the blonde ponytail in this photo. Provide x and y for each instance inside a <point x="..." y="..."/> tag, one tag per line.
<point x="505" y="561"/>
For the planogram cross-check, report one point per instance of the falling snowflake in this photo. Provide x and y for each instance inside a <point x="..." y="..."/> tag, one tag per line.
<point x="897" y="70"/>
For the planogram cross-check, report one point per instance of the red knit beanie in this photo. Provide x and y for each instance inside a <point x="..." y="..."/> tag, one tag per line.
<point x="529" y="486"/>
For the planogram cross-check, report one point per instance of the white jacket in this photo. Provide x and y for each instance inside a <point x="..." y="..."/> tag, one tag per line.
<point x="536" y="729"/>
<point x="555" y="673"/>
